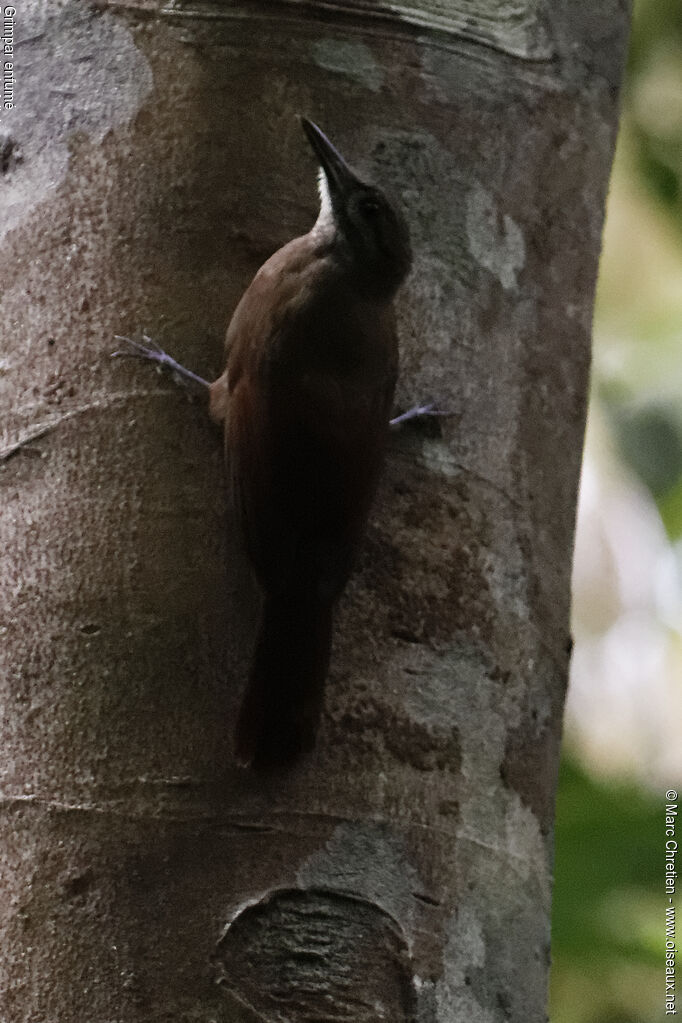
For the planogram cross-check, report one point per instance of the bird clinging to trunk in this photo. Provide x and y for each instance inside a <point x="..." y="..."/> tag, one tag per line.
<point x="305" y="400"/>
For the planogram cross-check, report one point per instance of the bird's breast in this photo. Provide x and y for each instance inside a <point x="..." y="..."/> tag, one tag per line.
<point x="334" y="370"/>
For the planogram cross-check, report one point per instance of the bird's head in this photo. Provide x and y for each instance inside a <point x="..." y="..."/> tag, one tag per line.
<point x="368" y="230"/>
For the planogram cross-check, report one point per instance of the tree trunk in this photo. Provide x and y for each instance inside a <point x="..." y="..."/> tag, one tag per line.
<point x="150" y="162"/>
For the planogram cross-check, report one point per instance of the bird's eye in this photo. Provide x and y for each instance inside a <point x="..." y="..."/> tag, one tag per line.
<point x="369" y="208"/>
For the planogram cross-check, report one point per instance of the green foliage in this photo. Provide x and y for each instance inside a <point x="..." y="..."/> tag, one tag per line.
<point x="655" y="112"/>
<point x="650" y="441"/>
<point x="607" y="919"/>
<point x="670" y="507"/>
<point x="608" y="915"/>
<point x="640" y="295"/>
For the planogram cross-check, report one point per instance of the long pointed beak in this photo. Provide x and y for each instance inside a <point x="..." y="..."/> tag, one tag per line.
<point x="339" y="175"/>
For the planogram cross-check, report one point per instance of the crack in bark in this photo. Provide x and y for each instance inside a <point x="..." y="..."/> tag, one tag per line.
<point x="41" y="429"/>
<point x="402" y="20"/>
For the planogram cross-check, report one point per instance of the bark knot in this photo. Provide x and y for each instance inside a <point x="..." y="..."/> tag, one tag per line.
<point x="317" y="955"/>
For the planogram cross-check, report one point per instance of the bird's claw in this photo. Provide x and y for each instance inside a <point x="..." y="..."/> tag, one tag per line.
<point x="136" y="350"/>
<point x="153" y="352"/>
<point x="419" y="412"/>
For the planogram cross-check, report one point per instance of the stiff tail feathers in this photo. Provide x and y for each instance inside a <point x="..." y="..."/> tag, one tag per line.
<point x="281" y="707"/>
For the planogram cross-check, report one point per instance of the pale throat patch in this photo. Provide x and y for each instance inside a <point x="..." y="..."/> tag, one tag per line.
<point x="325" y="217"/>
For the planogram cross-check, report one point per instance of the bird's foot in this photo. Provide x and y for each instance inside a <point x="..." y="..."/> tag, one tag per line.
<point x="152" y="352"/>
<point x="418" y="412"/>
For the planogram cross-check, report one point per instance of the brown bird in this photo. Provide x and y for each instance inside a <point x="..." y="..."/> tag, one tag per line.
<point x="305" y="399"/>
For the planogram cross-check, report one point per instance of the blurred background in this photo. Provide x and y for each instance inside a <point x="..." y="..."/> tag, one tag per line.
<point x="623" y="729"/>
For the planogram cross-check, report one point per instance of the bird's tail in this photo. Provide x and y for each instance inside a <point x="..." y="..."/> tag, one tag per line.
<point x="283" y="700"/>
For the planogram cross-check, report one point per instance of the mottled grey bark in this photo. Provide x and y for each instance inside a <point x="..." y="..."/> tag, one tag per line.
<point x="151" y="162"/>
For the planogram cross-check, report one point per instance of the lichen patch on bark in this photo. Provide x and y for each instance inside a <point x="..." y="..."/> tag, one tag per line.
<point x="495" y="240"/>
<point x="369" y="859"/>
<point x="86" y="78"/>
